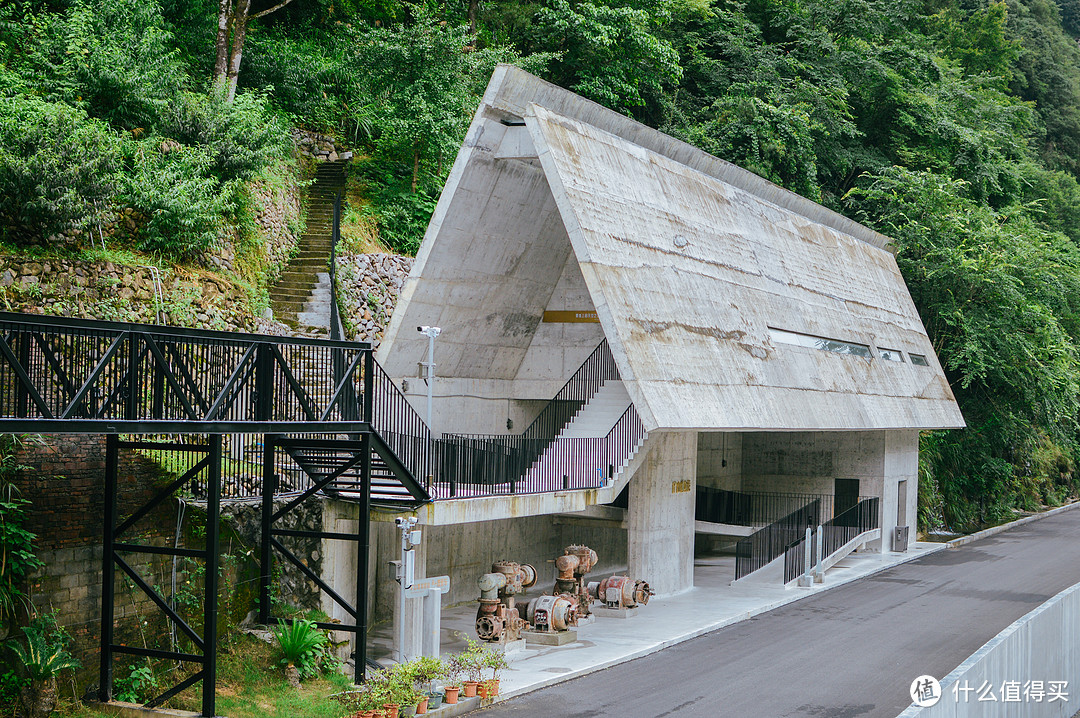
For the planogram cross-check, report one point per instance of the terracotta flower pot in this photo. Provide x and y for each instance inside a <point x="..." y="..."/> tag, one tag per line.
<point x="391" y="710"/>
<point x="470" y="688"/>
<point x="482" y="690"/>
<point x="452" y="694"/>
<point x="421" y="707"/>
<point x="493" y="687"/>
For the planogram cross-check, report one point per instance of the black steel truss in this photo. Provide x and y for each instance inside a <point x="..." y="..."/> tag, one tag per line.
<point x="81" y="376"/>
<point x="209" y="469"/>
<point x="359" y="459"/>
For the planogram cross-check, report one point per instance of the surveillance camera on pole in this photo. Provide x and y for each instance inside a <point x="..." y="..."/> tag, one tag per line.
<point x="429" y="366"/>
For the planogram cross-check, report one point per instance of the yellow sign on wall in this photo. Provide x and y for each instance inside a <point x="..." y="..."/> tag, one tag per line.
<point x="680" y="487"/>
<point x="571" y="317"/>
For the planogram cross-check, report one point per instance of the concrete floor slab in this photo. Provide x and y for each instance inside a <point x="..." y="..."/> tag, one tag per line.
<point x="712" y="603"/>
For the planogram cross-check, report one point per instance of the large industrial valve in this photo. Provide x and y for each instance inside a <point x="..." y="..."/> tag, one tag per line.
<point x="621" y="592"/>
<point x="551" y="613"/>
<point x="497" y="617"/>
<point x="572" y="566"/>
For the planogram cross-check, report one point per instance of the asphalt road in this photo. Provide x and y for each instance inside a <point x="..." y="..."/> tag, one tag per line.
<point x="851" y="651"/>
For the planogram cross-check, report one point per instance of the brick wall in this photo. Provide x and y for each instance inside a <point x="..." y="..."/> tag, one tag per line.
<point x="64" y="478"/>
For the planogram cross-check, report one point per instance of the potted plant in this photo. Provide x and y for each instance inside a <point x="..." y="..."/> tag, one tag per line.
<point x="425" y="671"/>
<point x="383" y="688"/>
<point x="471" y="661"/>
<point x="299" y="641"/>
<point x="452" y="687"/>
<point x="497" y="663"/>
<point x="44" y="656"/>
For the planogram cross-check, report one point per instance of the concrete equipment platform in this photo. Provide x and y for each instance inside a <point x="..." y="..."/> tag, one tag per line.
<point x="713" y="603"/>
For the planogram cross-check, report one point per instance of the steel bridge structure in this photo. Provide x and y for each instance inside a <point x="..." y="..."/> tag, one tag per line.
<point x="323" y="406"/>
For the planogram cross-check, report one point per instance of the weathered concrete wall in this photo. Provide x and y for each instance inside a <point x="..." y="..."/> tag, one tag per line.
<point x="660" y="517"/>
<point x="1040" y="646"/>
<point x="810" y="462"/>
<point x="559" y="348"/>
<point x="719" y="460"/>
<point x="465" y="551"/>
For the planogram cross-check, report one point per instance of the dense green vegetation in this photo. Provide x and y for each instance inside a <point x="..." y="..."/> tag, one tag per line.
<point x="951" y="125"/>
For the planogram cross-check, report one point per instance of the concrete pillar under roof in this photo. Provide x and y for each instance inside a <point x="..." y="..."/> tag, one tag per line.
<point x="901" y="465"/>
<point x="660" y="518"/>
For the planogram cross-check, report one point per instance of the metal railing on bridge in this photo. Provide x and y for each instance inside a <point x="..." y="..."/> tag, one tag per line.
<point x="81" y="376"/>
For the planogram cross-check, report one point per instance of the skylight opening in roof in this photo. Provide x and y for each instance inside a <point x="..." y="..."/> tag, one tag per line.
<point x="836" y="346"/>
<point x="890" y="354"/>
<point x="918" y="359"/>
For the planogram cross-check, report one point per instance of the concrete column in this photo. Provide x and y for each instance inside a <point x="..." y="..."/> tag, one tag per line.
<point x="901" y="464"/>
<point x="660" y="518"/>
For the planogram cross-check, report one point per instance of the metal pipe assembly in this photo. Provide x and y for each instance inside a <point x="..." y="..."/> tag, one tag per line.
<point x="621" y="592"/>
<point x="497" y="617"/>
<point x="572" y="566"/>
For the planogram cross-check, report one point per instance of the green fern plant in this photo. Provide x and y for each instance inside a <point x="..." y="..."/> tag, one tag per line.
<point x="43" y="657"/>
<point x="45" y="653"/>
<point x="300" y="642"/>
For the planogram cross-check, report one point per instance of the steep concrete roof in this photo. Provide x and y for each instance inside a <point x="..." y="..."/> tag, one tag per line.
<point x="689" y="262"/>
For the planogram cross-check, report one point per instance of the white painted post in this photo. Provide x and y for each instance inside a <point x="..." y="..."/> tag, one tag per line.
<point x="806" y="580"/>
<point x="806" y="554"/>
<point x="405" y="576"/>
<point x="429" y="365"/>
<point x="819" y="571"/>
<point x="432" y="617"/>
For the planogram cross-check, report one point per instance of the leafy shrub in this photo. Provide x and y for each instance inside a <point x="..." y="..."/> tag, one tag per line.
<point x="45" y="653"/>
<point x="240" y="138"/>
<point x="56" y="166"/>
<point x="139" y="685"/>
<point x="183" y="206"/>
<point x="122" y="61"/>
<point x="17" y="559"/>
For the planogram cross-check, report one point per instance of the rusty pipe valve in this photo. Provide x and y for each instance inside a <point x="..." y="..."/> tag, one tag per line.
<point x="497" y="616"/>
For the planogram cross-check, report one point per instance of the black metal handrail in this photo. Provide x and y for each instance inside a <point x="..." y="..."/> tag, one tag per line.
<point x="497" y="464"/>
<point x="835" y="534"/>
<point x="761" y="547"/>
<point x="752" y="508"/>
<point x="579" y="388"/>
<point x="400" y="426"/>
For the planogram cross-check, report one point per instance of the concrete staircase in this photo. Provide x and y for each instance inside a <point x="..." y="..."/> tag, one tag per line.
<point x="301" y="298"/>
<point x="600" y="414"/>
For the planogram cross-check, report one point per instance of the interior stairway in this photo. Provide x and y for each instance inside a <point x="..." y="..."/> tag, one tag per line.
<point x="301" y="298"/>
<point x="581" y="462"/>
<point x="600" y="414"/>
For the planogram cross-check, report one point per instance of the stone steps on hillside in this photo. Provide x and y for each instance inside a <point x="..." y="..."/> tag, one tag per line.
<point x="301" y="297"/>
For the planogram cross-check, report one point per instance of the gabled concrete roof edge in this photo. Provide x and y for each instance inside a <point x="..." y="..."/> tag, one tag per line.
<point x="512" y="89"/>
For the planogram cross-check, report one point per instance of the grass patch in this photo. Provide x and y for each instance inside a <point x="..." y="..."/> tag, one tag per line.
<point x="251" y="684"/>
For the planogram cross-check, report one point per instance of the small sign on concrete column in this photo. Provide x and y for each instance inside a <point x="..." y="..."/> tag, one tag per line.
<point x="430" y="589"/>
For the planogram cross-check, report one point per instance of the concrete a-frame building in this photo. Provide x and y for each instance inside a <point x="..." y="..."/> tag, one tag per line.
<point x="766" y="343"/>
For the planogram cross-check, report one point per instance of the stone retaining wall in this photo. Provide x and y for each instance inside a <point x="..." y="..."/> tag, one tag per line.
<point x="369" y="286"/>
<point x="122" y="292"/>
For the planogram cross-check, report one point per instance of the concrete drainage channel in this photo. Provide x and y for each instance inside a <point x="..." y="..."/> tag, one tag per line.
<point x="544" y="675"/>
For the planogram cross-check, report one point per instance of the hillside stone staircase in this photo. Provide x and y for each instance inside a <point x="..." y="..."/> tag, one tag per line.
<point x="301" y="298"/>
